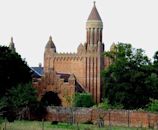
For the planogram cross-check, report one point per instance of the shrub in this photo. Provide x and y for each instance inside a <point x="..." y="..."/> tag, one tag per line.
<point x="153" y="105"/>
<point x="104" y="105"/>
<point x="83" y="100"/>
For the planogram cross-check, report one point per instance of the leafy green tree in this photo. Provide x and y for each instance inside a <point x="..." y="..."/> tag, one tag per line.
<point x="3" y="102"/>
<point x="21" y="95"/>
<point x="15" y="90"/>
<point x="125" y="79"/>
<point x="13" y="70"/>
<point x="83" y="100"/>
<point x="156" y="58"/>
<point x="152" y="85"/>
<point x="17" y="101"/>
<point x="152" y="79"/>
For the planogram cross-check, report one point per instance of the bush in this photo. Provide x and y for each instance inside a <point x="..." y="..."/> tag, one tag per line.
<point x="104" y="105"/>
<point x="153" y="105"/>
<point x="83" y="100"/>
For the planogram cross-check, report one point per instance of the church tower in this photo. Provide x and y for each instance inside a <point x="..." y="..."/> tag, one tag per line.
<point x="94" y="59"/>
<point x="50" y="49"/>
<point x="94" y="27"/>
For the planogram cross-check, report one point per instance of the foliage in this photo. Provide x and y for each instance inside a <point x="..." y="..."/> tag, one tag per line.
<point x="3" y="102"/>
<point x="17" y="100"/>
<point x="156" y="58"/>
<point x="13" y="70"/>
<point x="21" y="95"/>
<point x="104" y="105"/>
<point x="153" y="105"/>
<point x="151" y="83"/>
<point x="15" y="89"/>
<point x="1" y="120"/>
<point x="130" y="80"/>
<point x="83" y="100"/>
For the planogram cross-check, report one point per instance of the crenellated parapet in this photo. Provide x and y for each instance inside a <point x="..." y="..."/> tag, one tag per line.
<point x="66" y="57"/>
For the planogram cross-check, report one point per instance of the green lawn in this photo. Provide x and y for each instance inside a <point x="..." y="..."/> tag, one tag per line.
<point x="37" y="125"/>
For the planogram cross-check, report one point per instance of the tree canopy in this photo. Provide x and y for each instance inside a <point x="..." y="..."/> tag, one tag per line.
<point x="21" y="95"/>
<point x="16" y="89"/>
<point x="131" y="79"/>
<point x="13" y="70"/>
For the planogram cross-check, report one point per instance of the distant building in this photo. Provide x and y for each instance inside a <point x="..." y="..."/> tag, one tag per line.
<point x="67" y="73"/>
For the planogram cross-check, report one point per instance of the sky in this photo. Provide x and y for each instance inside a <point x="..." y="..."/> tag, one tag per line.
<point x="31" y="22"/>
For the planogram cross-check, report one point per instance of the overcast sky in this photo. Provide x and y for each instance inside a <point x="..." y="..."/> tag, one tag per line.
<point x="31" y="22"/>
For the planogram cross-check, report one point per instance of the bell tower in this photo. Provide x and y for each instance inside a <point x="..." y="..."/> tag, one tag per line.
<point x="94" y="60"/>
<point x="94" y="27"/>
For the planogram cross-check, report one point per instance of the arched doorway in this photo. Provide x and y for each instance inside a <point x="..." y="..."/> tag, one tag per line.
<point x="51" y="99"/>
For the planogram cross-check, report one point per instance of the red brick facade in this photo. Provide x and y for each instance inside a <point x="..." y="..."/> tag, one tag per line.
<point x="85" y="65"/>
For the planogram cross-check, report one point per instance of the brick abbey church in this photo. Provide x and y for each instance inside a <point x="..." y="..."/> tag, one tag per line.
<point x="67" y="73"/>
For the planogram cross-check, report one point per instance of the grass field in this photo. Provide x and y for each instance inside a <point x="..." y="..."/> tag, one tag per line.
<point x="37" y="125"/>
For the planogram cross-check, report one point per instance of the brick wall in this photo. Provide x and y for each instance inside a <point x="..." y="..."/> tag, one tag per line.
<point x="110" y="117"/>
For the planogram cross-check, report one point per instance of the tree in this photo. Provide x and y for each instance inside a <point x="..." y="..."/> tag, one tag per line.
<point x="21" y="95"/>
<point x="156" y="58"/>
<point x="19" y="100"/>
<point x="3" y="102"/>
<point x="125" y="80"/>
<point x="13" y="70"/>
<point x="83" y="100"/>
<point x="152" y="79"/>
<point x="15" y="89"/>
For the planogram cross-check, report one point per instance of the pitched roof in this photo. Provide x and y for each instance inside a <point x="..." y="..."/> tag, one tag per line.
<point x="50" y="43"/>
<point x="94" y="15"/>
<point x="37" y="72"/>
<point x="64" y="76"/>
<point x="78" y="87"/>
